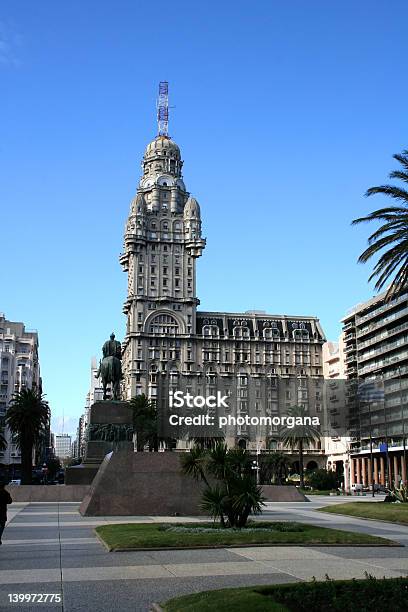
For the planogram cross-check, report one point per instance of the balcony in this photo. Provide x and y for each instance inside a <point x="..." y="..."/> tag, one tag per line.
<point x="385" y="334"/>
<point x="381" y="323"/>
<point x="378" y="311"/>
<point x="350" y="347"/>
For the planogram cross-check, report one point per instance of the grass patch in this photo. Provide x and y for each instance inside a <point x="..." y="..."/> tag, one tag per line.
<point x="330" y="596"/>
<point x="196" y="535"/>
<point x="394" y="513"/>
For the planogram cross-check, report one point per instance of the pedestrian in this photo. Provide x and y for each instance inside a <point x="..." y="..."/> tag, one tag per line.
<point x="5" y="499"/>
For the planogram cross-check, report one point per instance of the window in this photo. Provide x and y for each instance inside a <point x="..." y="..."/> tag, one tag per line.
<point x="241" y="332"/>
<point x="270" y="333"/>
<point x="300" y="334"/>
<point x="163" y="324"/>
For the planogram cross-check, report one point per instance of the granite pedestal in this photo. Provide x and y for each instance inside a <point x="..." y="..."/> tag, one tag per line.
<point x="100" y="413"/>
<point x="129" y="484"/>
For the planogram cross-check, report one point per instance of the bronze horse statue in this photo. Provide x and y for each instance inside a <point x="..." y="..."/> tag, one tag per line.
<point x="110" y="368"/>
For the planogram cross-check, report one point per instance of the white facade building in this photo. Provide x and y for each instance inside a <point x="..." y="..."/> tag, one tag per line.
<point x="336" y="448"/>
<point x="19" y="369"/>
<point x="63" y="446"/>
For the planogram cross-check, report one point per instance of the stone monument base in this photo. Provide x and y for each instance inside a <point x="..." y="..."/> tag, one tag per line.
<point x="139" y="484"/>
<point x="100" y="413"/>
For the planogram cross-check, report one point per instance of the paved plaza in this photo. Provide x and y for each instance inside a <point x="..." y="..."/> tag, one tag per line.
<point x="50" y="548"/>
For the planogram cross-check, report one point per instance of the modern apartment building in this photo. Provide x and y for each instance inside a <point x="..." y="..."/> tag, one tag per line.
<point x="376" y="357"/>
<point x="262" y="362"/>
<point x="63" y="446"/>
<point x="19" y="369"/>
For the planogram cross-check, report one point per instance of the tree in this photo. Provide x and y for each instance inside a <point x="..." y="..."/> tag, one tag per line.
<point x="3" y="442"/>
<point x="234" y="495"/>
<point x="391" y="238"/>
<point x="144" y="422"/>
<point x="27" y="418"/>
<point x="54" y="466"/>
<point x="323" y="480"/>
<point x="299" y="435"/>
<point x="275" y="468"/>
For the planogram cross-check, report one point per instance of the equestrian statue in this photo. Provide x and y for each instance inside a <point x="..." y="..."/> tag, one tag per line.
<point x="110" y="368"/>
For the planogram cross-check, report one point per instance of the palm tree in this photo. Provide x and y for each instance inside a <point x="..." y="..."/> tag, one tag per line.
<point x="27" y="418"/>
<point x="392" y="235"/>
<point x="3" y="442"/>
<point x="274" y="467"/>
<point x="299" y="435"/>
<point x="144" y="422"/>
<point x="236" y="495"/>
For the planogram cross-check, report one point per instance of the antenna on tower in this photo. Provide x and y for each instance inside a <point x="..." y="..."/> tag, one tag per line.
<point x="163" y="109"/>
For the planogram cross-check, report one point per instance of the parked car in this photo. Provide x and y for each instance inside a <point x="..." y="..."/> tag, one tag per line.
<point x="17" y="481"/>
<point x="357" y="487"/>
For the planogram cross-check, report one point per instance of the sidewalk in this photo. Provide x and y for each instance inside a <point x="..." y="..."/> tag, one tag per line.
<point x="50" y="548"/>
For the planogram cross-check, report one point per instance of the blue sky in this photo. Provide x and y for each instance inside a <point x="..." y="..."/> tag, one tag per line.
<point x="285" y="114"/>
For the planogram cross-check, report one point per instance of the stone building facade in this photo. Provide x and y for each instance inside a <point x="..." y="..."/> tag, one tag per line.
<point x="261" y="362"/>
<point x="19" y="369"/>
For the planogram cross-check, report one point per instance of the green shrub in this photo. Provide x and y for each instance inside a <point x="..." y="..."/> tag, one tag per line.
<point x="338" y="595"/>
<point x="323" y="480"/>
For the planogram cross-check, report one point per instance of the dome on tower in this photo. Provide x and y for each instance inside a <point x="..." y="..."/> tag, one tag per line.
<point x="138" y="205"/>
<point x="162" y="145"/>
<point x="192" y="208"/>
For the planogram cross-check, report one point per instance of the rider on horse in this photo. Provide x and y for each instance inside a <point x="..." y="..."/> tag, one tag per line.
<point x="110" y="368"/>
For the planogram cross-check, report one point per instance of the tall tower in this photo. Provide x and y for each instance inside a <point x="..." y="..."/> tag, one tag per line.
<point x="161" y="245"/>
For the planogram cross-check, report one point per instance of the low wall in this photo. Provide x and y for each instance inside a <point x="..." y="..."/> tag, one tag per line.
<point x="50" y="493"/>
<point x="283" y="493"/>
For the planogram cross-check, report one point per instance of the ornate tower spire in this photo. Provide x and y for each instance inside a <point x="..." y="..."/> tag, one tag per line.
<point x="163" y="109"/>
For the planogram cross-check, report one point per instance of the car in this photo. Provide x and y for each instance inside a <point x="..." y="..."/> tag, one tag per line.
<point x="357" y="487"/>
<point x="17" y="481"/>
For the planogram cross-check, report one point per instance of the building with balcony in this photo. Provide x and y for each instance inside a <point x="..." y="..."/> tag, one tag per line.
<point x="19" y="369"/>
<point x="376" y="359"/>
<point x="263" y="363"/>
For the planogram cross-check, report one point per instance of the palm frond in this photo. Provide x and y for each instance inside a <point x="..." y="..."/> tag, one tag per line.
<point x="397" y="174"/>
<point x="402" y="158"/>
<point x="390" y="190"/>
<point x="392" y="265"/>
<point x="382" y="214"/>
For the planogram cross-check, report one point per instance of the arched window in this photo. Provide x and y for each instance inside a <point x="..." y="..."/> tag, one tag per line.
<point x="300" y="334"/>
<point x="270" y="333"/>
<point x="241" y="332"/>
<point x="163" y="324"/>
<point x="210" y="330"/>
